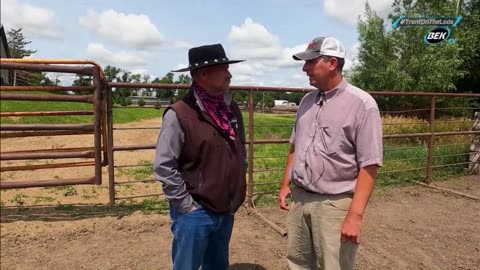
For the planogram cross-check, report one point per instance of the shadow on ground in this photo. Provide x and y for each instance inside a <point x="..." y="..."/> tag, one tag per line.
<point x="72" y="212"/>
<point x="246" y="266"/>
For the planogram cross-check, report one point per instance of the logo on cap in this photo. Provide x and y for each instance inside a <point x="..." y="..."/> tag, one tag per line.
<point x="311" y="45"/>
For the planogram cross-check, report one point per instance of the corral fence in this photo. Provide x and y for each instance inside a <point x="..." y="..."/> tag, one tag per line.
<point x="92" y="156"/>
<point x="416" y="147"/>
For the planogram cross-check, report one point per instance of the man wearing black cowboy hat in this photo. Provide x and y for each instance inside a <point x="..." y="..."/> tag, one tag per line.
<point x="200" y="160"/>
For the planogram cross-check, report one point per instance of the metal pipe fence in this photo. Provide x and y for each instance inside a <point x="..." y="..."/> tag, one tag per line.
<point x="256" y="186"/>
<point x="421" y="147"/>
<point x="91" y="157"/>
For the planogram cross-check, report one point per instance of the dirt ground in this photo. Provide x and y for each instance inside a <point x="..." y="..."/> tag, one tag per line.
<point x="405" y="228"/>
<point x="81" y="194"/>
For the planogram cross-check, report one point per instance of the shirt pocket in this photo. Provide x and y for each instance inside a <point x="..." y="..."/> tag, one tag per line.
<point x="328" y="140"/>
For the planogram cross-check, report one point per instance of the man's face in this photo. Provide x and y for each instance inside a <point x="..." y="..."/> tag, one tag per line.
<point x="319" y="70"/>
<point x="217" y="78"/>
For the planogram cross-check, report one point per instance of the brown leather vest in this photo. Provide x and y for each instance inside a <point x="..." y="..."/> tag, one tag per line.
<point x="212" y="165"/>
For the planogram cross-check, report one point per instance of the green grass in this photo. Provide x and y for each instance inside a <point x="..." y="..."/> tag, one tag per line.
<point x="270" y="126"/>
<point x="145" y="172"/>
<point x="67" y="191"/>
<point x="147" y="205"/>
<point x="399" y="154"/>
<point x="152" y="205"/>
<point x="123" y="115"/>
<point x="120" y="115"/>
<point x="92" y="194"/>
<point x="31" y="106"/>
<point x="40" y="199"/>
<point x="19" y="199"/>
<point x="395" y="159"/>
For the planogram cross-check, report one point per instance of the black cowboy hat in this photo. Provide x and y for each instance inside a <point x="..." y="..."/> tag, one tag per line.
<point x="207" y="55"/>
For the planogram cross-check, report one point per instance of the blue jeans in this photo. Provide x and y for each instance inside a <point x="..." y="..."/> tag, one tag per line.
<point x="200" y="238"/>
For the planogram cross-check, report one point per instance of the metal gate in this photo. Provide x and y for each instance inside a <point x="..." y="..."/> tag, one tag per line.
<point x="91" y="156"/>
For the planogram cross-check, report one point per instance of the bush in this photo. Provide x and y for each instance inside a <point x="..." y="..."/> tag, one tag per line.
<point x="141" y="102"/>
<point x="123" y="102"/>
<point x="129" y="101"/>
<point x="116" y="99"/>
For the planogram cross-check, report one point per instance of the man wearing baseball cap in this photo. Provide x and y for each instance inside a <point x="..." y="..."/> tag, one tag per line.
<point x="335" y="153"/>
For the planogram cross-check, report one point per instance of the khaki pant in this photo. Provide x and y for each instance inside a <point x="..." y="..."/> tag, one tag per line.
<point x="314" y="225"/>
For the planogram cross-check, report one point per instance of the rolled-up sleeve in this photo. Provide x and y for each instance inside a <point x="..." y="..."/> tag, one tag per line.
<point x="166" y="166"/>
<point x="369" y="144"/>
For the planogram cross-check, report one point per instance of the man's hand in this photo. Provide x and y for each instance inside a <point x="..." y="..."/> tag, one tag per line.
<point x="282" y="196"/>
<point x="352" y="225"/>
<point x="192" y="208"/>
<point x="352" y="229"/>
<point x="285" y="185"/>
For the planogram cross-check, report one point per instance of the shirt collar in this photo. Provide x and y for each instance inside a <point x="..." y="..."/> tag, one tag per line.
<point x="326" y="97"/>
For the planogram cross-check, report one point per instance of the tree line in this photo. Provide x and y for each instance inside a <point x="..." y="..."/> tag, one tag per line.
<point x="399" y="60"/>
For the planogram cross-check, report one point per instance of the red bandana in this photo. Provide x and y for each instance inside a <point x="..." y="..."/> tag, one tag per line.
<point x="217" y="109"/>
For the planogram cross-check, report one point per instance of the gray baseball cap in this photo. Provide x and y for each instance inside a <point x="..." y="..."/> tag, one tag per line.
<point x="320" y="46"/>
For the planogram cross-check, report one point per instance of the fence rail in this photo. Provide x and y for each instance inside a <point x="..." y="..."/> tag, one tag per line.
<point x="36" y="94"/>
<point x="432" y="144"/>
<point x="251" y="141"/>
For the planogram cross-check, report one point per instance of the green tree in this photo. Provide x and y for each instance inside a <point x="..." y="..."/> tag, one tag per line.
<point x="164" y="93"/>
<point x="379" y="68"/>
<point x="30" y="78"/>
<point x="469" y="38"/>
<point x="295" y="97"/>
<point x="17" y="46"/>
<point x="17" y="43"/>
<point x="48" y="82"/>
<point x="53" y="80"/>
<point x="398" y="59"/>
<point x="123" y="102"/>
<point x="241" y="97"/>
<point x="121" y="94"/>
<point x="55" y="77"/>
<point x="83" y="80"/>
<point x="146" y="79"/>
<point x="112" y="73"/>
<point x="182" y="79"/>
<point x="135" y="78"/>
<point x="269" y="101"/>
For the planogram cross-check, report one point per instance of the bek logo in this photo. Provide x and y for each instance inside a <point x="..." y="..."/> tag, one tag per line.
<point x="438" y="35"/>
